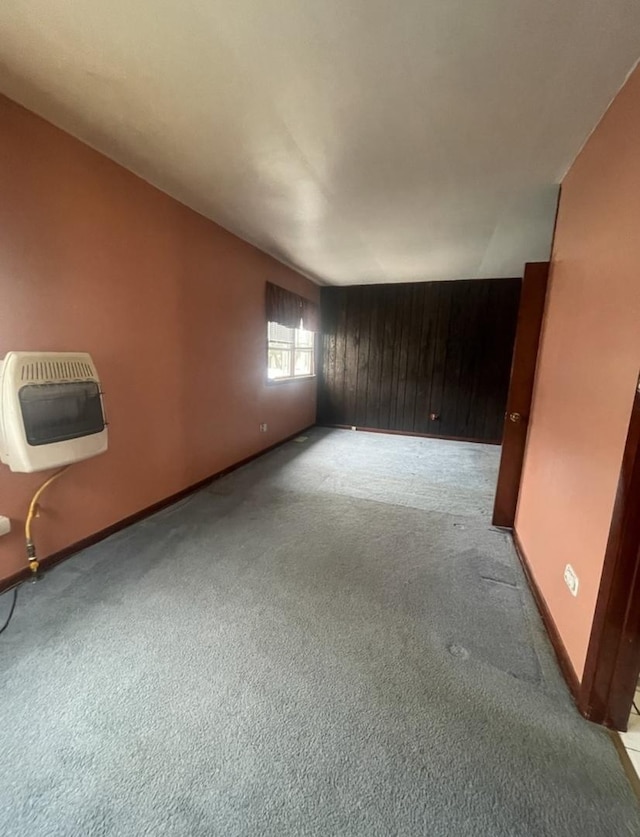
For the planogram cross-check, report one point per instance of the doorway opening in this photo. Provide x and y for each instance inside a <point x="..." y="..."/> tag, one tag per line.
<point x="607" y="690"/>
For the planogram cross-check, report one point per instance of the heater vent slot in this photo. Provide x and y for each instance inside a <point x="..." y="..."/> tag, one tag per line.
<point x="42" y="371"/>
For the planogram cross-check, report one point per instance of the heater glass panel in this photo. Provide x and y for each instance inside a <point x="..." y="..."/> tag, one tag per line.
<point x="58" y="412"/>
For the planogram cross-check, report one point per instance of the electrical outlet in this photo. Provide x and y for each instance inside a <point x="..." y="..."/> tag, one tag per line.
<point x="5" y="525"/>
<point x="571" y="579"/>
<point x="263" y="427"/>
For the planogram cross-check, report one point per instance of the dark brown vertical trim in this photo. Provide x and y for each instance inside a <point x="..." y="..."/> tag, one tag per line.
<point x="363" y="327"/>
<point x="376" y="350"/>
<point x="453" y="350"/>
<point x="406" y="350"/>
<point x="325" y="365"/>
<point x="367" y="332"/>
<point x="507" y="300"/>
<point x="386" y="300"/>
<point x="341" y="352"/>
<point x="483" y="383"/>
<point x="351" y="353"/>
<point x="440" y="358"/>
<point x="333" y="346"/>
<point x="422" y="322"/>
<point x="398" y="353"/>
<point x="466" y="401"/>
<point x="432" y="425"/>
<point x="530" y="317"/>
<point x="613" y="656"/>
<point x="422" y="422"/>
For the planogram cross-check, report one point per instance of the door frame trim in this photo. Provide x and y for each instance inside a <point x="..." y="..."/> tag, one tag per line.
<point x="530" y="323"/>
<point x="612" y="667"/>
<point x="613" y="655"/>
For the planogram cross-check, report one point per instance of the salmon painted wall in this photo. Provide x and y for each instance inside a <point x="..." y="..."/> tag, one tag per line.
<point x="170" y="306"/>
<point x="587" y="373"/>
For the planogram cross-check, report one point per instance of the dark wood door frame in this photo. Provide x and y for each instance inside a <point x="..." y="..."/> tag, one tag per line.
<point x="612" y="666"/>
<point x="523" y="367"/>
<point x="613" y="656"/>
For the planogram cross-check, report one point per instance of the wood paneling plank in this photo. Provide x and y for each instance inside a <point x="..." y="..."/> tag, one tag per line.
<point x="393" y="354"/>
<point x="374" y="371"/>
<point x="364" y="349"/>
<point x="387" y="388"/>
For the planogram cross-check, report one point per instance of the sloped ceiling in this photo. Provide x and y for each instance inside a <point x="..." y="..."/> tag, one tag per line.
<point x="356" y="140"/>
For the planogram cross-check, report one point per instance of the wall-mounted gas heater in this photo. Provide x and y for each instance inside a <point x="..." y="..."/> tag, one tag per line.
<point x="51" y="411"/>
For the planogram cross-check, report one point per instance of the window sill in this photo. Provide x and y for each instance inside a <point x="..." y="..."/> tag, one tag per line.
<point x="274" y="382"/>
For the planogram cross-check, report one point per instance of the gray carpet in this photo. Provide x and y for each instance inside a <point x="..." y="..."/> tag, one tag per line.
<point x="330" y="641"/>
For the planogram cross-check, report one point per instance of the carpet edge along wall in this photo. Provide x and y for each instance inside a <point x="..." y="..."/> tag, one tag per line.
<point x="170" y="306"/>
<point x="431" y="358"/>
<point x="58" y="557"/>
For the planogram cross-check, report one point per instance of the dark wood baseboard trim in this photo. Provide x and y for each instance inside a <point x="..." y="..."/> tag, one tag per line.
<point x="55" y="558"/>
<point x="411" y="433"/>
<point x="566" y="666"/>
<point x="629" y="769"/>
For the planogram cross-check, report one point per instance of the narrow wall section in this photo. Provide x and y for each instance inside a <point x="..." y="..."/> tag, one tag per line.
<point x="587" y="371"/>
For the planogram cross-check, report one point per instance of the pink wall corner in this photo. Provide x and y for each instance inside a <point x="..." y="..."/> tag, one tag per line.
<point x="170" y="306"/>
<point x="587" y="371"/>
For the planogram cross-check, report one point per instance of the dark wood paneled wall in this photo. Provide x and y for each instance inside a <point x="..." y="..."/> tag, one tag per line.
<point x="393" y="355"/>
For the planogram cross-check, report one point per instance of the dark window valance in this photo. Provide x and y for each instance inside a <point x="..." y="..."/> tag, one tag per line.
<point x="287" y="309"/>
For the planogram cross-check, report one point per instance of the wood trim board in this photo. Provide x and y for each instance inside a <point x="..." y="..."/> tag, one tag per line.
<point x="412" y="433"/>
<point x="613" y="655"/>
<point x="523" y="368"/>
<point x="566" y="666"/>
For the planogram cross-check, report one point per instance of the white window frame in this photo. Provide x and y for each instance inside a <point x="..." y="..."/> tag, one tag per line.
<point x="292" y="347"/>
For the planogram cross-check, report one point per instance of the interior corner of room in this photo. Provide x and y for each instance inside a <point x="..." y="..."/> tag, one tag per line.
<point x="340" y="378"/>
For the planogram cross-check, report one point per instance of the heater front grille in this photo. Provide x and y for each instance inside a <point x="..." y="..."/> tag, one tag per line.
<point x="43" y="371"/>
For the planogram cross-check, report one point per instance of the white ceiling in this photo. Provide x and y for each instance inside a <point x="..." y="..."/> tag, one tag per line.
<point x="357" y="140"/>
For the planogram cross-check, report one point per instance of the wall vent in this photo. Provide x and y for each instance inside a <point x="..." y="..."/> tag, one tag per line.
<point x="43" y="371"/>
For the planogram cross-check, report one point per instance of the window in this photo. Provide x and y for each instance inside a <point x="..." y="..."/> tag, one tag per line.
<point x="291" y="352"/>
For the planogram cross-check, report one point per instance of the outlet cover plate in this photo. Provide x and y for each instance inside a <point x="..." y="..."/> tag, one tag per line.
<point x="571" y="580"/>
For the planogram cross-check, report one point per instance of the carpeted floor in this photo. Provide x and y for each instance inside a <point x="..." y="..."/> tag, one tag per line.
<point x="330" y="641"/>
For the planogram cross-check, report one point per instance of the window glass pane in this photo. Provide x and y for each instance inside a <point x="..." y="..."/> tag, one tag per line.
<point x="303" y="362"/>
<point x="290" y="352"/>
<point x="279" y="362"/>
